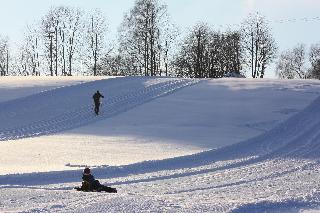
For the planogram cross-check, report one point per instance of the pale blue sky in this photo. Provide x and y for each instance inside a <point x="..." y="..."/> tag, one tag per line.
<point x="15" y="14"/>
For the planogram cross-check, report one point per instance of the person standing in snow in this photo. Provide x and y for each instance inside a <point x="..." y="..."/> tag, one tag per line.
<point x="96" y="98"/>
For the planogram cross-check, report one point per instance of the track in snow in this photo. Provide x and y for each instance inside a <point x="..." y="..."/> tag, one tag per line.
<point x="60" y="109"/>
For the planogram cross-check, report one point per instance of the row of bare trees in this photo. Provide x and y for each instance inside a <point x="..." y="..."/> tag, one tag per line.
<point x="299" y="63"/>
<point x="66" y="40"/>
<point x="69" y="41"/>
<point x="205" y="53"/>
<point x="146" y="40"/>
<point x="208" y="54"/>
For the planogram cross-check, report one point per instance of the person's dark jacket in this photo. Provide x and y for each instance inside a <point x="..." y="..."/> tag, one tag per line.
<point x="96" y="97"/>
<point x="93" y="183"/>
<point x="88" y="177"/>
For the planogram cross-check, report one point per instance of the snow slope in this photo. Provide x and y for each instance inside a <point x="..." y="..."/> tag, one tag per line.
<point x="274" y="169"/>
<point x="69" y="107"/>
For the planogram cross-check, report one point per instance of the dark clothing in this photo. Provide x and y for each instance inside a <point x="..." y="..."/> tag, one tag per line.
<point x="88" y="177"/>
<point x="93" y="183"/>
<point x="96" y="98"/>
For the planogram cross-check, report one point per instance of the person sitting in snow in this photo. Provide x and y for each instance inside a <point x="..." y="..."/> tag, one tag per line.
<point x="96" y="98"/>
<point x="91" y="184"/>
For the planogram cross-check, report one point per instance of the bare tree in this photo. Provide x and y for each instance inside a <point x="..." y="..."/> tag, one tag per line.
<point x="48" y="25"/>
<point x="258" y="43"/>
<point x="144" y="38"/>
<point x="73" y="33"/>
<point x="61" y="32"/>
<point x="192" y="59"/>
<point x="4" y="56"/>
<point x="208" y="54"/>
<point x="291" y="63"/>
<point x="230" y="52"/>
<point x="94" y="41"/>
<point x="284" y="66"/>
<point x="314" y="58"/>
<point x="29" y="52"/>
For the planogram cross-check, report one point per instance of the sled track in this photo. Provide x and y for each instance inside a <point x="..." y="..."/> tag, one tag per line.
<point x="84" y="115"/>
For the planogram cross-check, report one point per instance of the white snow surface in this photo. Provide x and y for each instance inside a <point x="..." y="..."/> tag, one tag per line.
<point x="166" y="144"/>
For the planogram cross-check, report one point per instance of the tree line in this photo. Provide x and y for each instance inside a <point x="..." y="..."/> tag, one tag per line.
<point x="299" y="63"/>
<point x="65" y="41"/>
<point x="70" y="41"/>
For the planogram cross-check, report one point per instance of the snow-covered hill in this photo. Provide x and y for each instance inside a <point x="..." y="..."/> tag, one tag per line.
<point x="167" y="144"/>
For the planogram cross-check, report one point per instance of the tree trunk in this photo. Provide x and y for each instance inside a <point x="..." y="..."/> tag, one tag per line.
<point x="56" y="31"/>
<point x="252" y="56"/>
<point x="95" y="56"/>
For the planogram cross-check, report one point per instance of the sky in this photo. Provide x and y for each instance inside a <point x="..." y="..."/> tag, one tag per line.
<point x="292" y="21"/>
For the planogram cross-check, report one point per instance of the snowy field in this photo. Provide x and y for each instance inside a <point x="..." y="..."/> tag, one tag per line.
<point x="166" y="144"/>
